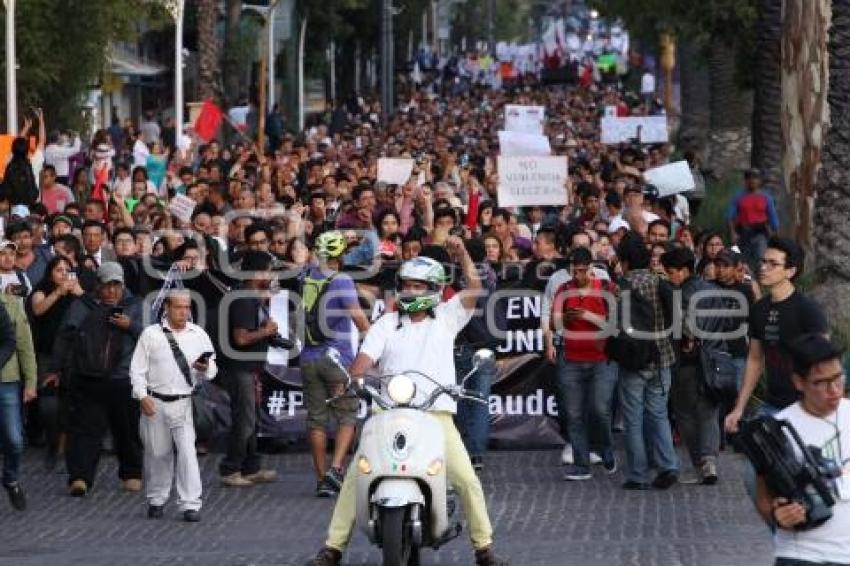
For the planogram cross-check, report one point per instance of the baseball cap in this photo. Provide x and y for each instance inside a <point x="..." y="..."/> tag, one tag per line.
<point x="616" y="224"/>
<point x="110" y="272"/>
<point x="61" y="218"/>
<point x="633" y="188"/>
<point x="20" y="210"/>
<point x="728" y="257"/>
<point x="752" y="173"/>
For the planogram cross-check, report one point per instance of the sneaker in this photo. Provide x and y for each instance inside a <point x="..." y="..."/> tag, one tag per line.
<point x="131" y="485"/>
<point x="477" y="463"/>
<point x="16" y="496"/>
<point x="156" y="511"/>
<point x="665" y="480"/>
<point x="610" y="465"/>
<point x="324" y="488"/>
<point x="595" y="459"/>
<point x="486" y="557"/>
<point x="191" y="515"/>
<point x="577" y="473"/>
<point x="235" y="480"/>
<point x="78" y="488"/>
<point x="567" y="455"/>
<point x="327" y="557"/>
<point x="708" y="472"/>
<point x="334" y="478"/>
<point x="261" y="476"/>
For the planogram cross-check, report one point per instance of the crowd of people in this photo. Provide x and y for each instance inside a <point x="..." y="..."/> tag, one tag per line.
<point x="102" y="271"/>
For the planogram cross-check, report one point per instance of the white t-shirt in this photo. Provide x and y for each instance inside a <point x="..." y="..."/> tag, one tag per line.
<point x="647" y="83"/>
<point x="426" y="346"/>
<point x="829" y="542"/>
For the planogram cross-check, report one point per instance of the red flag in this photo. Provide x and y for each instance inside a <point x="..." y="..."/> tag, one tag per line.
<point x="209" y="120"/>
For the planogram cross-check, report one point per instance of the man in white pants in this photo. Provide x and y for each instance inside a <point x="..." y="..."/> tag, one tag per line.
<point x="165" y="393"/>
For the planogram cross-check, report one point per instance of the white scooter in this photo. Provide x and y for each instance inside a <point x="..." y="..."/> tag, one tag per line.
<point x="403" y="500"/>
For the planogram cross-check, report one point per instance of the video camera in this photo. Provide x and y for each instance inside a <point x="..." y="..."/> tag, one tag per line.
<point x="809" y="482"/>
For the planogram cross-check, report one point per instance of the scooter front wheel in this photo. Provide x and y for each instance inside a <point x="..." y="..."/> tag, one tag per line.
<point x="396" y="545"/>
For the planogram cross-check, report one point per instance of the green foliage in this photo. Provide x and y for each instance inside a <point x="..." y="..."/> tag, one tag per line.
<point x="510" y="20"/>
<point x="62" y="50"/>
<point x="712" y="211"/>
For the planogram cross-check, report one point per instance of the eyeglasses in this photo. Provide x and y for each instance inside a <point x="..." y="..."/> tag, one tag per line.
<point x="770" y="263"/>
<point x="824" y="384"/>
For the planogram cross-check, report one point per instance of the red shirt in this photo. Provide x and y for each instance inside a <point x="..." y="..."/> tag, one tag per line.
<point x="583" y="347"/>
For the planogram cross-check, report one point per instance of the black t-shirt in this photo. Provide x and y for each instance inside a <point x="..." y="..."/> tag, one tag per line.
<point x="776" y="325"/>
<point x="247" y="313"/>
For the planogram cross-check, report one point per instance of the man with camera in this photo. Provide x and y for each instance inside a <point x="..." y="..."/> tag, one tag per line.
<point x="822" y="419"/>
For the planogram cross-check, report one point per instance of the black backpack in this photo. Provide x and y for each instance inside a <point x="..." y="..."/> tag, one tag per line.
<point x="97" y="344"/>
<point x="19" y="185"/>
<point x="631" y="352"/>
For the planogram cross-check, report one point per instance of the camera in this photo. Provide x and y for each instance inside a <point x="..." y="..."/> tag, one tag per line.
<point x="278" y="341"/>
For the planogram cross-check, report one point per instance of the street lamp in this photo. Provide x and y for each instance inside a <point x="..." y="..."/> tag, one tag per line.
<point x="175" y="8"/>
<point x="11" y="79"/>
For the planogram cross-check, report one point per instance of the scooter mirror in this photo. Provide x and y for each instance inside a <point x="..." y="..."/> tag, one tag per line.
<point x="483" y="357"/>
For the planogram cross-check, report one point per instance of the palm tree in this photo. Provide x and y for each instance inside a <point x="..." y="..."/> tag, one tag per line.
<point x="695" y="118"/>
<point x="232" y="75"/>
<point x="767" y="106"/>
<point x="208" y="62"/>
<point x="830" y="220"/>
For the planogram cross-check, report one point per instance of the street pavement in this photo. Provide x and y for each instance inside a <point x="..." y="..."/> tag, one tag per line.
<point x="538" y="519"/>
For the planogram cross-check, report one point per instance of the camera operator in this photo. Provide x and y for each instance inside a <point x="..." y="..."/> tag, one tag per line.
<point x="822" y="419"/>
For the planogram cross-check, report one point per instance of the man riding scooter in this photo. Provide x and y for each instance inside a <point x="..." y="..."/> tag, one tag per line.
<point x="421" y="335"/>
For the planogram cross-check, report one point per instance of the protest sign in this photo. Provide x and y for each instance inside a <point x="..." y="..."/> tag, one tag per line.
<point x="520" y="144"/>
<point x="182" y="207"/>
<point x="394" y="171"/>
<point x="532" y="181"/>
<point x="646" y="129"/>
<point x="526" y="119"/>
<point x="671" y="179"/>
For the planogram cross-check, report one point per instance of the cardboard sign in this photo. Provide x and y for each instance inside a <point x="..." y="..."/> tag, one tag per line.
<point x="279" y="312"/>
<point x="527" y="119"/>
<point x="394" y="171"/>
<point x="521" y="144"/>
<point x="182" y="207"/>
<point x="646" y="129"/>
<point x="671" y="179"/>
<point x="532" y="181"/>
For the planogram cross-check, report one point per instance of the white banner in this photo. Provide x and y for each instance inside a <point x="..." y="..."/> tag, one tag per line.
<point x="182" y="207"/>
<point x="519" y="144"/>
<point x="532" y="181"/>
<point x="528" y="119"/>
<point x="394" y="171"/>
<point x="646" y="129"/>
<point x="671" y="178"/>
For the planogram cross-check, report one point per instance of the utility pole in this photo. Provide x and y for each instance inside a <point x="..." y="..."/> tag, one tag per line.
<point x="387" y="64"/>
<point x="11" y="78"/>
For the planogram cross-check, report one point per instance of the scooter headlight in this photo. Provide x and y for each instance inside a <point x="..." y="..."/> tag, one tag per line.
<point x="401" y="389"/>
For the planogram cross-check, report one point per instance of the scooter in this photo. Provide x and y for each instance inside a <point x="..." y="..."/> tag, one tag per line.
<point x="403" y="501"/>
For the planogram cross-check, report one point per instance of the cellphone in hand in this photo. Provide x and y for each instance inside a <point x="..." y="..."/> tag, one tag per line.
<point x="204" y="358"/>
<point x="116" y="311"/>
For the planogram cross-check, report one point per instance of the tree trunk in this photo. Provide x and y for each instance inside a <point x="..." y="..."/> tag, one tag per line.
<point x="695" y="115"/>
<point x="731" y="111"/>
<point x="231" y="45"/>
<point x="209" y="68"/>
<point x="831" y="226"/>
<point x="805" y="113"/>
<point x="767" y="106"/>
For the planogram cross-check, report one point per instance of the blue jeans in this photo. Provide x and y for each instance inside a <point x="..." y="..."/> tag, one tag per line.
<point x="473" y="418"/>
<point x="644" y="396"/>
<point x="11" y="431"/>
<point x="589" y="388"/>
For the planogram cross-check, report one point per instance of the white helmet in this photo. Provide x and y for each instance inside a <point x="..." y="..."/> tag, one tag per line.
<point x="428" y="271"/>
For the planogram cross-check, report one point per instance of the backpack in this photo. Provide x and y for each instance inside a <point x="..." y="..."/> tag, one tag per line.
<point x="19" y="185"/>
<point x="630" y="352"/>
<point x="312" y="292"/>
<point x="97" y="344"/>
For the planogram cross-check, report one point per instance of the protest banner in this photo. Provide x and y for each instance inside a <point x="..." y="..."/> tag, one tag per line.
<point x="394" y="171"/>
<point x="532" y="181"/>
<point x="671" y="178"/>
<point x="520" y="144"/>
<point x="526" y="119"/>
<point x="182" y="207"/>
<point x="645" y="129"/>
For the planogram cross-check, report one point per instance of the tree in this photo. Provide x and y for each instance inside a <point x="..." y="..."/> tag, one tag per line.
<point x="830" y="225"/>
<point x="232" y="31"/>
<point x="209" y="67"/>
<point x="62" y="50"/>
<point x="767" y="125"/>
<point x="805" y="111"/>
